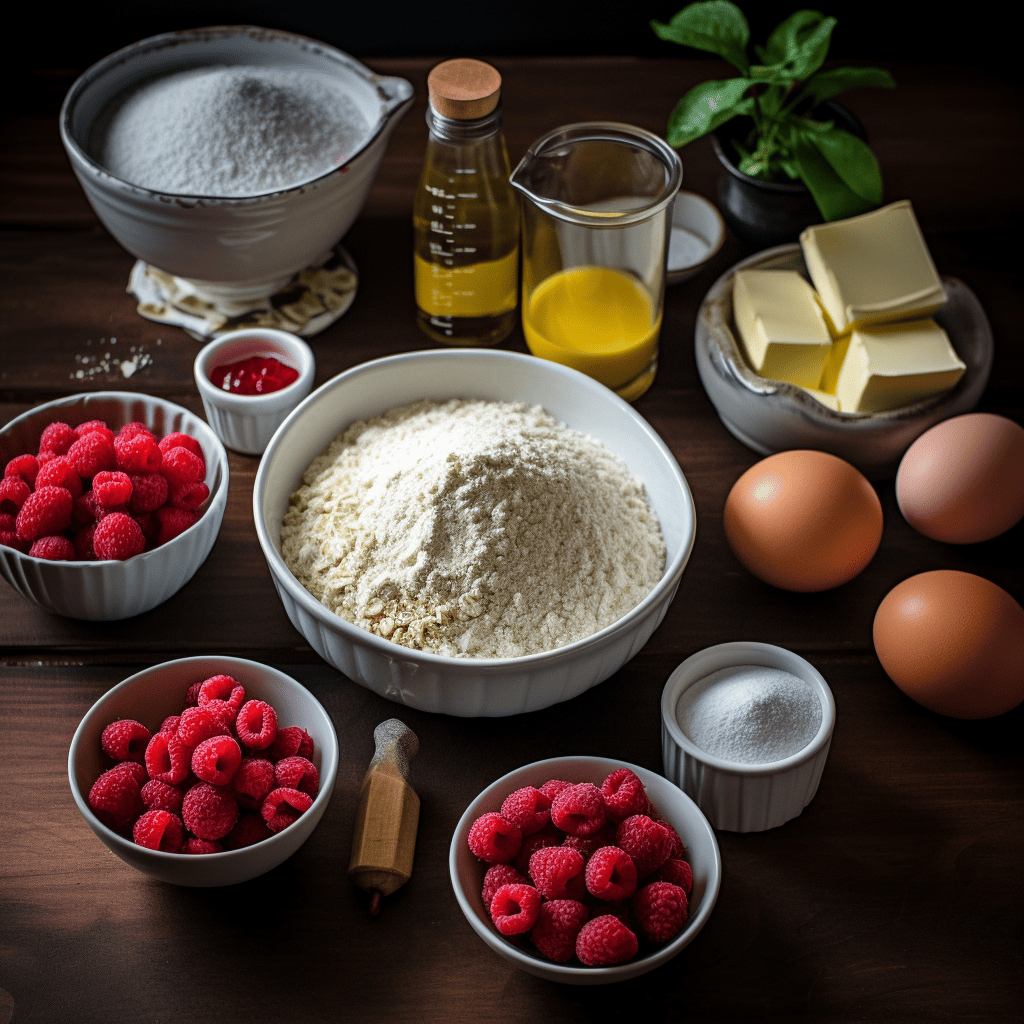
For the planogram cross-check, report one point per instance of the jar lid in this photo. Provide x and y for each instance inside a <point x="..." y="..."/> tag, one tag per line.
<point x="464" y="89"/>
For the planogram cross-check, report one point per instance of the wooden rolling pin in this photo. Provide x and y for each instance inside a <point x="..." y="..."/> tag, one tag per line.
<point x="385" y="834"/>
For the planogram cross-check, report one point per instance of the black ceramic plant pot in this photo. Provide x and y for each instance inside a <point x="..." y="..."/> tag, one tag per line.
<point x="767" y="213"/>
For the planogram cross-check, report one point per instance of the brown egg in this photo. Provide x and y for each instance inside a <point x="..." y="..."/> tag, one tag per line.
<point x="962" y="481"/>
<point x="803" y="520"/>
<point x="954" y="642"/>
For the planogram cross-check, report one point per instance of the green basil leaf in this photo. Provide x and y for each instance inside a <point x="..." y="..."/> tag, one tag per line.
<point x="705" y="107"/>
<point x="784" y="42"/>
<point x="716" y="26"/>
<point x="851" y="158"/>
<point x="834" y="198"/>
<point x="812" y="49"/>
<point x="806" y="46"/>
<point x="826" y="84"/>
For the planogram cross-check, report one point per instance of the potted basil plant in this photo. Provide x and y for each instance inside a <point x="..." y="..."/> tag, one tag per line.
<point x="793" y="156"/>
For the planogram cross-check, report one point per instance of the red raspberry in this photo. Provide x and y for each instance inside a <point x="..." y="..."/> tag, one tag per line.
<point x="149" y="492"/>
<point x="216" y="760"/>
<point x="661" y="909"/>
<point x="84" y="551"/>
<point x="13" y="494"/>
<point x="181" y="467"/>
<point x="558" y="924"/>
<point x="112" y="489"/>
<point x="624" y="795"/>
<point x="43" y="457"/>
<point x="678" y="849"/>
<point x="256" y="724"/>
<point x="495" y="877"/>
<point x="133" y="429"/>
<point x="25" y="466"/>
<point x="92" y="453"/>
<point x="60" y="472"/>
<point x="138" y="454"/>
<point x="159" y="830"/>
<point x="118" y="536"/>
<point x="224" y="688"/>
<point x="195" y="846"/>
<point x="57" y="438"/>
<point x="169" y="726"/>
<point x="172" y="522"/>
<point x="557" y="873"/>
<point x="588" y="844"/>
<point x="646" y="841"/>
<point x="282" y="806"/>
<point x="515" y="908"/>
<point x="579" y="809"/>
<point x="198" y="724"/>
<point x="553" y="787"/>
<point x="291" y="741"/>
<point x="251" y="828"/>
<point x="493" y="839"/>
<point x="547" y="836"/>
<point x="176" y="439"/>
<point x="133" y="770"/>
<point x="53" y="549"/>
<point x="604" y="941"/>
<point x="149" y="527"/>
<point x="188" y="497"/>
<point x="253" y="781"/>
<point x="168" y="760"/>
<point x="8" y="533"/>
<point x="85" y="510"/>
<point x="192" y="697"/>
<point x="158" y="796"/>
<point x="678" y="872"/>
<point x="527" y="808"/>
<point x="125" y="740"/>
<point x="115" y="800"/>
<point x="91" y="426"/>
<point x="611" y="874"/>
<point x="46" y="511"/>
<point x="209" y="812"/>
<point x="297" y="773"/>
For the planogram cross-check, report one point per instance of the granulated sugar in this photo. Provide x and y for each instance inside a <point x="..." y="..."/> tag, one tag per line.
<point x="109" y="362"/>
<point x="473" y="529"/>
<point x="750" y="714"/>
<point x="230" y="131"/>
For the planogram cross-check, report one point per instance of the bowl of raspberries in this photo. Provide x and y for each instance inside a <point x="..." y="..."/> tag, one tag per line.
<point x="204" y="771"/>
<point x="585" y="870"/>
<point x="109" y="502"/>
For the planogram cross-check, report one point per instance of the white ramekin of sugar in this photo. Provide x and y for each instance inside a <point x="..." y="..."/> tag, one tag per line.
<point x="745" y="731"/>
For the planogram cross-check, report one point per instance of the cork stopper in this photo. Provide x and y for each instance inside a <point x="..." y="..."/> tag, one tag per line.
<point x="464" y="89"/>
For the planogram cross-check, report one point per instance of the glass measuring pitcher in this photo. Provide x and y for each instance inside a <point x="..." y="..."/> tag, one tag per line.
<point x="595" y="232"/>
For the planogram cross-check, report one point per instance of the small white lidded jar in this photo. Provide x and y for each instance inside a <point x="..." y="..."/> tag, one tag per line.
<point x="754" y="780"/>
<point x="246" y="423"/>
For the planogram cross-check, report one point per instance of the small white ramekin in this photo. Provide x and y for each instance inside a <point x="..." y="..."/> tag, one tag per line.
<point x="741" y="797"/>
<point x="246" y="423"/>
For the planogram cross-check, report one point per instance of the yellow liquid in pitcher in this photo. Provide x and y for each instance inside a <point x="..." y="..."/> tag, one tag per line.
<point x="599" y="321"/>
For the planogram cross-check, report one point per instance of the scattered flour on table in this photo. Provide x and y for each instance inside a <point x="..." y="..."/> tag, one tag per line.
<point x="229" y="131"/>
<point x="473" y="528"/>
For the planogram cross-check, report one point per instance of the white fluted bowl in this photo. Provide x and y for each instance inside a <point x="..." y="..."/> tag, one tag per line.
<point x="109" y="590"/>
<point x="471" y="687"/>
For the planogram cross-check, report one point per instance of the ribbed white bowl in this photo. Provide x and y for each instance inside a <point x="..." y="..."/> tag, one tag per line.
<point x="471" y="687"/>
<point x="106" y="591"/>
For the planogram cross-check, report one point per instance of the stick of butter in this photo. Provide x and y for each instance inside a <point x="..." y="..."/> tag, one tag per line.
<point x="873" y="268"/>
<point x="892" y="365"/>
<point x="781" y="326"/>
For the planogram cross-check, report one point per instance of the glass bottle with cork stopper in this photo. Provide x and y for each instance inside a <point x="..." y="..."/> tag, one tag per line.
<point x="466" y="214"/>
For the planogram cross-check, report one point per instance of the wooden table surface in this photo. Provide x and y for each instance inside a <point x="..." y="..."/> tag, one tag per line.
<point x="896" y="896"/>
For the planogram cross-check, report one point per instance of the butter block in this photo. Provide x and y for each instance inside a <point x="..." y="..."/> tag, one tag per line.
<point x="892" y="365"/>
<point x="873" y="268"/>
<point x="781" y="326"/>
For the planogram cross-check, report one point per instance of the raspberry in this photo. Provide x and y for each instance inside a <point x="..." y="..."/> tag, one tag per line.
<point x="253" y="781"/>
<point x="60" y="472"/>
<point x="216" y="760"/>
<point x="8" y="534"/>
<point x="25" y="466"/>
<point x="158" y="796"/>
<point x="172" y="522"/>
<point x="527" y="808"/>
<point x="209" y="812"/>
<point x="192" y="697"/>
<point x="125" y="740"/>
<point x="46" y="511"/>
<point x="43" y="457"/>
<point x="168" y="760"/>
<point x="553" y="787"/>
<point x="117" y="536"/>
<point x="282" y="806"/>
<point x="169" y="726"/>
<point x="92" y="453"/>
<point x="605" y="940"/>
<point x="138" y="454"/>
<point x="646" y="841"/>
<point x="200" y="846"/>
<point x="611" y="874"/>
<point x="495" y="877"/>
<point x="86" y="509"/>
<point x="558" y="924"/>
<point x="13" y="493"/>
<point x="181" y="467"/>
<point x="297" y="773"/>
<point x="133" y="429"/>
<point x="91" y="426"/>
<point x="57" y="438"/>
<point x="256" y="724"/>
<point x="149" y="492"/>
<point x="678" y="849"/>
<point x="251" y="828"/>
<point x="112" y="489"/>
<point x="588" y="844"/>
<point x="53" y="549"/>
<point x="84" y="551"/>
<point x="624" y="795"/>
<point x="678" y="872"/>
<point x="133" y="770"/>
<point x="515" y="908"/>
<point x="149" y="527"/>
<point x="579" y="809"/>
<point x="198" y="724"/>
<point x="291" y="741"/>
<point x="661" y="909"/>
<point x="189" y="497"/>
<point x="115" y="800"/>
<point x="557" y="873"/>
<point x="175" y="439"/>
<point x="493" y="839"/>
<point x="159" y="830"/>
<point x="222" y="688"/>
<point x="548" y="836"/>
